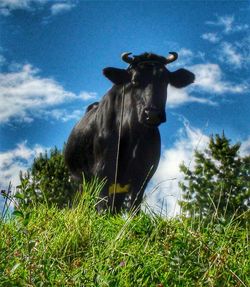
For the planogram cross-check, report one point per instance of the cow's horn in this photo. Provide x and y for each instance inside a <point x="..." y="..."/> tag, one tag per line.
<point x="126" y="58"/>
<point x="172" y="57"/>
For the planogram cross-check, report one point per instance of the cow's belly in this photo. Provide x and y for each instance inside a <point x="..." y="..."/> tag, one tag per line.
<point x="141" y="160"/>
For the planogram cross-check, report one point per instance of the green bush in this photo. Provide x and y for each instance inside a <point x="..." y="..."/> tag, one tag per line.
<point x="219" y="183"/>
<point x="47" y="181"/>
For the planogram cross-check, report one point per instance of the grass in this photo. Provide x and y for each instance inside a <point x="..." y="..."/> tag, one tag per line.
<point x="77" y="247"/>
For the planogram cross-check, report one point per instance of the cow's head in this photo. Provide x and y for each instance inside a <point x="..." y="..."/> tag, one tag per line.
<point x="147" y="78"/>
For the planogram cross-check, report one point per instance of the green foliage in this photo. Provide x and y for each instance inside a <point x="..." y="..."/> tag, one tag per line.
<point x="47" y="181"/>
<point x="219" y="183"/>
<point x="78" y="247"/>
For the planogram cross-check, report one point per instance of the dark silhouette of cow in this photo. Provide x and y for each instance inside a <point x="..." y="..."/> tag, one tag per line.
<point x="118" y="138"/>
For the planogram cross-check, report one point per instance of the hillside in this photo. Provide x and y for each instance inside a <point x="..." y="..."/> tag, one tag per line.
<point x="77" y="247"/>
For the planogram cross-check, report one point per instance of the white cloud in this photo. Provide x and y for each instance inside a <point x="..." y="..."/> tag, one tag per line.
<point x="63" y="114"/>
<point x="13" y="161"/>
<point x="86" y="96"/>
<point x="59" y="8"/>
<point x="236" y="53"/>
<point x="211" y="37"/>
<point x="7" y="6"/>
<point x="16" y="4"/>
<point x="186" y="57"/>
<point x="209" y="81"/>
<point x="209" y="78"/>
<point x="245" y="147"/>
<point x="184" y="52"/>
<point x="227" y="23"/>
<point x="230" y="55"/>
<point x="177" y="97"/>
<point x="164" y="192"/>
<point x="24" y="95"/>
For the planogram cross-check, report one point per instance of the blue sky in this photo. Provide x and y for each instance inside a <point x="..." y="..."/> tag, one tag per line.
<point x="52" y="54"/>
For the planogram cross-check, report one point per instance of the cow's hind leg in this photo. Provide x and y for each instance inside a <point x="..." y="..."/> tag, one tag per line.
<point x="111" y="203"/>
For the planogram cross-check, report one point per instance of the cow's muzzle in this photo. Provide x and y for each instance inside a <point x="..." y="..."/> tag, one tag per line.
<point x="153" y="117"/>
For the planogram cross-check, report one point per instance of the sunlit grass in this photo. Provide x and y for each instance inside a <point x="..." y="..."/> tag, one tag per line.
<point x="78" y="247"/>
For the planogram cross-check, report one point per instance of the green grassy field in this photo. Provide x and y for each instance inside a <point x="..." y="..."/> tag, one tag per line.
<point x="78" y="247"/>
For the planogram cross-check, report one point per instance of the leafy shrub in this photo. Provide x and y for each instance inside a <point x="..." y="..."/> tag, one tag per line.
<point x="219" y="183"/>
<point x="47" y="181"/>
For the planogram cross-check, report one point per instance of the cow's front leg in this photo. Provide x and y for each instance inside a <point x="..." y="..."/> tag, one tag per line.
<point x="112" y="194"/>
<point x="109" y="200"/>
<point x="115" y="190"/>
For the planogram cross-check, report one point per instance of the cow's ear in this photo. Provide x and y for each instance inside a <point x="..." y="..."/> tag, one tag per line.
<point x="117" y="76"/>
<point x="181" y="78"/>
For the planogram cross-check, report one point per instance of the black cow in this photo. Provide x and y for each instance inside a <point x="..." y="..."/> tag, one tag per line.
<point x="118" y="138"/>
